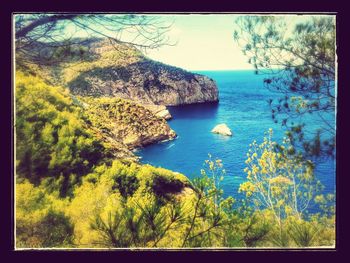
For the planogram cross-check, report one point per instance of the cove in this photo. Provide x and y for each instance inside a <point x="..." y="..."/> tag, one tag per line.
<point x="243" y="106"/>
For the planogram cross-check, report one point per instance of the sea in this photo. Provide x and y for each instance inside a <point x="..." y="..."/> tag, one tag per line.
<point x="243" y="106"/>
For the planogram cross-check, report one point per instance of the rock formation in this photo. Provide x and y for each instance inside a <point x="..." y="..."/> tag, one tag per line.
<point x="125" y="125"/>
<point x="222" y="129"/>
<point x="159" y="110"/>
<point x="123" y="72"/>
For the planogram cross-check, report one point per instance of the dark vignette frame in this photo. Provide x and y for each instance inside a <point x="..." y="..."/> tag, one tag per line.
<point x="7" y="126"/>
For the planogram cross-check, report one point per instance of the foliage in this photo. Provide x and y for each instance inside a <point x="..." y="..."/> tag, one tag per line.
<point x="280" y="180"/>
<point x="51" y="138"/>
<point x="40" y="218"/>
<point x="48" y="39"/>
<point x="281" y="184"/>
<point x="120" y="69"/>
<point x="70" y="193"/>
<point x="82" y="84"/>
<point x="101" y="204"/>
<point x="214" y="174"/>
<point x="165" y="186"/>
<point x="124" y="112"/>
<point x="125" y="121"/>
<point x="137" y="227"/>
<point x="299" y="60"/>
<point x="126" y="184"/>
<point x="113" y="62"/>
<point x="303" y="233"/>
<point x="108" y="214"/>
<point x="254" y="232"/>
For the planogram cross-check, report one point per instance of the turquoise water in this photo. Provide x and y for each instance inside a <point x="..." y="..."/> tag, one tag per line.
<point x="243" y="106"/>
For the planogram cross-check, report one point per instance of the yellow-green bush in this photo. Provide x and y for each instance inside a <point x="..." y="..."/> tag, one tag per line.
<point x="40" y="218"/>
<point x="51" y="138"/>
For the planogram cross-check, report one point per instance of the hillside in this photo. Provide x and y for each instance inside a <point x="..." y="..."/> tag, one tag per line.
<point x="62" y="120"/>
<point x="116" y="70"/>
<point x="126" y="122"/>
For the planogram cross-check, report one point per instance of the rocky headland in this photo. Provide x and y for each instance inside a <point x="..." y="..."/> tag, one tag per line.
<point x="123" y="72"/>
<point x="123" y="92"/>
<point x="125" y="125"/>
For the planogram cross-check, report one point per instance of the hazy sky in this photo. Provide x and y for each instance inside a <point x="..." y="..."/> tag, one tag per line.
<point x="204" y="42"/>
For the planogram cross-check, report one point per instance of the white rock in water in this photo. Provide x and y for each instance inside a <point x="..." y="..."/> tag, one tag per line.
<point x="222" y="129"/>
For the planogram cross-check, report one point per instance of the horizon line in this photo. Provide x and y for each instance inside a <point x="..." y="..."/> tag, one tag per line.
<point x="217" y="69"/>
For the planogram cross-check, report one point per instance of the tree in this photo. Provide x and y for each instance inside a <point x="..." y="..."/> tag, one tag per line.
<point x="299" y="61"/>
<point x="52" y="140"/>
<point x="40" y="220"/>
<point x="61" y="32"/>
<point x="279" y="181"/>
<point x="191" y="218"/>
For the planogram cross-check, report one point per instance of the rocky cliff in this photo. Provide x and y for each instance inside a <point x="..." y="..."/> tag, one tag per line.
<point x="123" y="72"/>
<point x="159" y="110"/>
<point x="124" y="124"/>
<point x="124" y="93"/>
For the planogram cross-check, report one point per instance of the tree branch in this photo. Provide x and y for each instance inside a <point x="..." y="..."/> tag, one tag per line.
<point x="42" y="21"/>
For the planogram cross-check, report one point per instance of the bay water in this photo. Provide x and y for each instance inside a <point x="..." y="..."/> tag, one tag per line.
<point x="243" y="106"/>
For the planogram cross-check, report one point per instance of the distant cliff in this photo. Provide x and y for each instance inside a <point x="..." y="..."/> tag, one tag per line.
<point x="122" y="71"/>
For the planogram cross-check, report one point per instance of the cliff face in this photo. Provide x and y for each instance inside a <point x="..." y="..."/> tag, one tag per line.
<point x="124" y="124"/>
<point x="128" y="74"/>
<point x="159" y="110"/>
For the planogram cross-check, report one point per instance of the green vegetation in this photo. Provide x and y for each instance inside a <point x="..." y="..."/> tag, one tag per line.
<point x="81" y="83"/>
<point x="52" y="141"/>
<point x="40" y="218"/>
<point x="119" y="205"/>
<point x="34" y="33"/>
<point x="281" y="183"/>
<point x="125" y="121"/>
<point x="299" y="62"/>
<point x="108" y="64"/>
<point x="81" y="77"/>
<point x="72" y="192"/>
<point x="100" y="110"/>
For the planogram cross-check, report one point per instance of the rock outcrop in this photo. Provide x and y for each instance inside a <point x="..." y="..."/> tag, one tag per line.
<point x="137" y="78"/>
<point x="222" y="129"/>
<point x="125" y="125"/>
<point x="159" y="110"/>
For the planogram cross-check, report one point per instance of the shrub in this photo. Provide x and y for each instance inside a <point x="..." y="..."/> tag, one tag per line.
<point x="51" y="138"/>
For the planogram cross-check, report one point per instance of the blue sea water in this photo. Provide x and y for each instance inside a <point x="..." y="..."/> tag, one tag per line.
<point x="243" y="106"/>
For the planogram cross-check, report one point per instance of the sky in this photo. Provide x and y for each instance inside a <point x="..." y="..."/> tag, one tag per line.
<point x="203" y="42"/>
